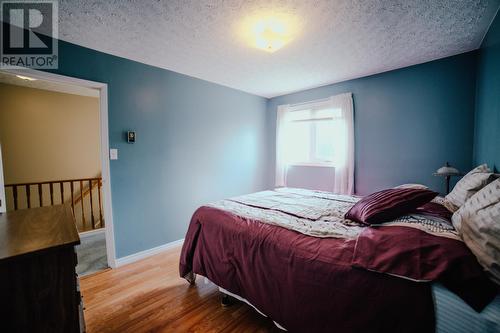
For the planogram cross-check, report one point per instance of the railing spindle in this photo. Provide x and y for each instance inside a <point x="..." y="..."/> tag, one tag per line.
<point x="52" y="194"/>
<point x="95" y="221"/>
<point x="40" y="194"/>
<point x="72" y="200"/>
<point x="99" y="195"/>
<point x="91" y="205"/>
<point x="14" y="194"/>
<point x="81" y="200"/>
<point x="28" y="195"/>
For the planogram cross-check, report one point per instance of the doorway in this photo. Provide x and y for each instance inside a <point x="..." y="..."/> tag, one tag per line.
<point x="54" y="139"/>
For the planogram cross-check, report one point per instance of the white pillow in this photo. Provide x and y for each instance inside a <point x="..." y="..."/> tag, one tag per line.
<point x="466" y="187"/>
<point x="439" y="200"/>
<point x="478" y="223"/>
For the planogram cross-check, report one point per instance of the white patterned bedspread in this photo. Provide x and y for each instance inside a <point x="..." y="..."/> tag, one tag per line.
<point x="317" y="213"/>
<point x="313" y="213"/>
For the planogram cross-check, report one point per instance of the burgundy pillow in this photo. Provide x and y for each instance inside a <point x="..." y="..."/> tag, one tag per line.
<point x="389" y="204"/>
<point x="435" y="209"/>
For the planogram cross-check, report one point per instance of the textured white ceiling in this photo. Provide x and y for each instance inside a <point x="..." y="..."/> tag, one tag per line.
<point x="11" y="79"/>
<point x="338" y="40"/>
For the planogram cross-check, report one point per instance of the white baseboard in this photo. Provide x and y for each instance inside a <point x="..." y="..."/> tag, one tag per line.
<point x="91" y="232"/>
<point x="147" y="253"/>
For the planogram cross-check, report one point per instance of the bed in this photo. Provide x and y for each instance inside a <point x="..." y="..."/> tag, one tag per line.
<point x="291" y="255"/>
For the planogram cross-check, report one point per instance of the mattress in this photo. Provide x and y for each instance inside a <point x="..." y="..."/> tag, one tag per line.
<point x="454" y="316"/>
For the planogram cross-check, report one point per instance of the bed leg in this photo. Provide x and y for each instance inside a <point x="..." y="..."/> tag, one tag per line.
<point x="226" y="300"/>
<point x="191" y="278"/>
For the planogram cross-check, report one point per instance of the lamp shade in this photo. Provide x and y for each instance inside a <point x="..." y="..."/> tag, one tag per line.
<point x="447" y="170"/>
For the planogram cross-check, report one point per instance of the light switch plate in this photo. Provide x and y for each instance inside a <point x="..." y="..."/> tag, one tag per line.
<point x="113" y="154"/>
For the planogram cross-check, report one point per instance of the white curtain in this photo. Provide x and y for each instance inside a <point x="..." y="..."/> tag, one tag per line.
<point x="344" y="144"/>
<point x="281" y="165"/>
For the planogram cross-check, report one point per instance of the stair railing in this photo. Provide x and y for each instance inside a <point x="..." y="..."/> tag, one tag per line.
<point x="56" y="192"/>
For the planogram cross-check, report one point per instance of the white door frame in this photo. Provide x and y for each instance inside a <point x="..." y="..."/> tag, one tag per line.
<point x="103" y="109"/>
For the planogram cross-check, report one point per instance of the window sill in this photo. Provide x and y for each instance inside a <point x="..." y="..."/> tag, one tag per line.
<point x="319" y="164"/>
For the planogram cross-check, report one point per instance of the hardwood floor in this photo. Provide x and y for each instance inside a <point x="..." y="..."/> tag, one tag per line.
<point x="149" y="296"/>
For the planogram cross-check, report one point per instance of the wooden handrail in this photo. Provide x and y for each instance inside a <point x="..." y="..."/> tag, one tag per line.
<point x="53" y="191"/>
<point x="54" y="181"/>
<point x="85" y="193"/>
<point x="88" y="190"/>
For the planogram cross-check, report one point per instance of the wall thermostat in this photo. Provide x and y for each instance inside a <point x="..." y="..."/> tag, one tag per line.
<point x="131" y="136"/>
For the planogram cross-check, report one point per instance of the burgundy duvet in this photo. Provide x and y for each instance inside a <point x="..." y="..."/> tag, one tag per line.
<point x="309" y="284"/>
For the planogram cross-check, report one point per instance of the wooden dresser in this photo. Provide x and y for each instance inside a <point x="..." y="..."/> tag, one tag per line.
<point x="39" y="288"/>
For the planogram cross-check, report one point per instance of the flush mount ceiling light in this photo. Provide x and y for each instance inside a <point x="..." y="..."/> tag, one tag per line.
<point x="269" y="32"/>
<point x="26" y="78"/>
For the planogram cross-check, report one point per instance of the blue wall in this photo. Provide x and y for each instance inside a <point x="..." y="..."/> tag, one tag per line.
<point x="408" y="122"/>
<point x="199" y="141"/>
<point x="487" y="132"/>
<point x="196" y="142"/>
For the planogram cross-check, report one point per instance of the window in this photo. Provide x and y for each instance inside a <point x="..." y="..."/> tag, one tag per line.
<point x="318" y="133"/>
<point x="309" y="136"/>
